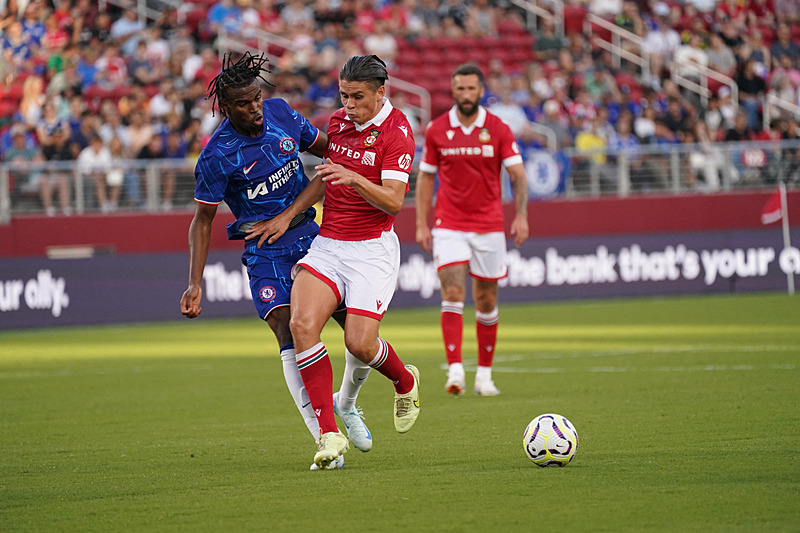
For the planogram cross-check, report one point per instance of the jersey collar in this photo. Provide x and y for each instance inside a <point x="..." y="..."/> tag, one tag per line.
<point x="479" y="122"/>
<point x="378" y="119"/>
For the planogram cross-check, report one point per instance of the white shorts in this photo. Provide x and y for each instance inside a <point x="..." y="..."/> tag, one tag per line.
<point x="485" y="252"/>
<point x="363" y="274"/>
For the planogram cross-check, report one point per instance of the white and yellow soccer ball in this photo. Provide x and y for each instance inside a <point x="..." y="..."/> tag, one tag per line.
<point x="550" y="440"/>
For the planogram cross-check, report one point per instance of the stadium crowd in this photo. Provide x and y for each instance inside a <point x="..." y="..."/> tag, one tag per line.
<point x="82" y="84"/>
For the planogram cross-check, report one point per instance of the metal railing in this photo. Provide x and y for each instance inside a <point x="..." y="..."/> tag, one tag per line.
<point x="774" y="105"/>
<point x="556" y="16"/>
<point x="159" y="185"/>
<point x="619" y="36"/>
<point x="701" y="88"/>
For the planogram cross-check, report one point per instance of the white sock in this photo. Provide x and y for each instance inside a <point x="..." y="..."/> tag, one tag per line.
<point x="484" y="373"/>
<point x="298" y="391"/>
<point x="456" y="370"/>
<point x="355" y="373"/>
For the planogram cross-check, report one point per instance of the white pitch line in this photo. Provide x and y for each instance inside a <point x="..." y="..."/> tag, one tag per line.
<point x="626" y="369"/>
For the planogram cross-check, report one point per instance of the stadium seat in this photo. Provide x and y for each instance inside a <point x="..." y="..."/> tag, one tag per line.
<point x="573" y="19"/>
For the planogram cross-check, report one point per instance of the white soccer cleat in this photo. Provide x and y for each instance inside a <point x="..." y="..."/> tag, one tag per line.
<point x="334" y="465"/>
<point x="357" y="430"/>
<point x="486" y="388"/>
<point x="455" y="386"/>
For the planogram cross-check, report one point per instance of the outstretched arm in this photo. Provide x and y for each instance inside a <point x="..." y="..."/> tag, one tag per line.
<point x="199" y="239"/>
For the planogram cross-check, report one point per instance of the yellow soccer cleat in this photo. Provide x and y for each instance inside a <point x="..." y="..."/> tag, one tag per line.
<point x="406" y="406"/>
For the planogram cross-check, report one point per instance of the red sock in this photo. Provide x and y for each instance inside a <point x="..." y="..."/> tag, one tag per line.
<point x="317" y="373"/>
<point x="486" y="329"/>
<point x="387" y="363"/>
<point x="452" y="330"/>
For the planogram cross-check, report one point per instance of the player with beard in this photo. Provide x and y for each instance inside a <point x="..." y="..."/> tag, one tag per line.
<point x="252" y="164"/>
<point x="469" y="147"/>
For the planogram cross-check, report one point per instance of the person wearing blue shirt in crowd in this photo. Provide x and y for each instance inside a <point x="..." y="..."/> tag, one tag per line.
<point x="252" y="163"/>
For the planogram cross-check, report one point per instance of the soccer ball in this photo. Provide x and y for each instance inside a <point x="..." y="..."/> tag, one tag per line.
<point x="550" y="440"/>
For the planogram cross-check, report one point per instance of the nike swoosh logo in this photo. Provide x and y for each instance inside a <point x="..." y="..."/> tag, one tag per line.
<point x="416" y="403"/>
<point x="306" y="404"/>
<point x="248" y="169"/>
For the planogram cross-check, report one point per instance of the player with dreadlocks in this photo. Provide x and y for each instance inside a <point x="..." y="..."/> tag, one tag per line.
<point x="252" y="164"/>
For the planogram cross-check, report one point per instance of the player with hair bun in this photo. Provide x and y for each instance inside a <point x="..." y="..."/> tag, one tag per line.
<point x="252" y="164"/>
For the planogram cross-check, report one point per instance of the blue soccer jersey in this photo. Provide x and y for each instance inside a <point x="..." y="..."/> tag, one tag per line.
<point x="258" y="177"/>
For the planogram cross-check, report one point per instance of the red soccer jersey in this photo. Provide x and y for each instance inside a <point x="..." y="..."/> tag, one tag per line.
<point x="469" y="162"/>
<point x="383" y="148"/>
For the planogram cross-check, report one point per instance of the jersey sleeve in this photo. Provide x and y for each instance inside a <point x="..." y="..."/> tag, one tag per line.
<point x="210" y="186"/>
<point x="396" y="162"/>
<point x="509" y="150"/>
<point x="430" y="155"/>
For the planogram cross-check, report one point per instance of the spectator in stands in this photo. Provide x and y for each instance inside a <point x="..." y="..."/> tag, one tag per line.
<point x="50" y="121"/>
<point x="582" y="109"/>
<point x="591" y="143"/>
<point x="721" y="58"/>
<point x="57" y="179"/>
<point x="784" y="45"/>
<point x="644" y="125"/>
<point x="630" y="19"/>
<point x="705" y="159"/>
<point x="125" y="32"/>
<point x="427" y="11"/>
<point x="453" y="13"/>
<point x="17" y="49"/>
<point x="731" y="35"/>
<point x="787" y="11"/>
<point x="141" y="68"/>
<point x="154" y="150"/>
<point x="55" y="38"/>
<point x="660" y="43"/>
<point x="676" y="121"/>
<point x="556" y="119"/>
<point x="755" y="48"/>
<point x="33" y="28"/>
<point x="690" y="62"/>
<point x="620" y="102"/>
<point x="297" y="18"/>
<point x="509" y="111"/>
<point x="395" y="15"/>
<point x="760" y="13"/>
<point x="93" y="163"/>
<point x="112" y="70"/>
<point x="381" y="43"/>
<point x="482" y="18"/>
<point x="547" y="44"/>
<point x="158" y="51"/>
<point x="113" y="128"/>
<point x="752" y="90"/>
<point x="734" y="10"/>
<point x="166" y="100"/>
<point x="23" y="151"/>
<point x="30" y="107"/>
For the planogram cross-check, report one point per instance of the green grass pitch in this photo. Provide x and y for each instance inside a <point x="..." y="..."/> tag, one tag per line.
<point x="687" y="411"/>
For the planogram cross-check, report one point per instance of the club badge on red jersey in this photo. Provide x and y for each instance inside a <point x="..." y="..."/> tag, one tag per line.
<point x="484" y="136"/>
<point x="372" y="137"/>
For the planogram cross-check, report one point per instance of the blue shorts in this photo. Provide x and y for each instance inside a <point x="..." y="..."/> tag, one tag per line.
<point x="269" y="268"/>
